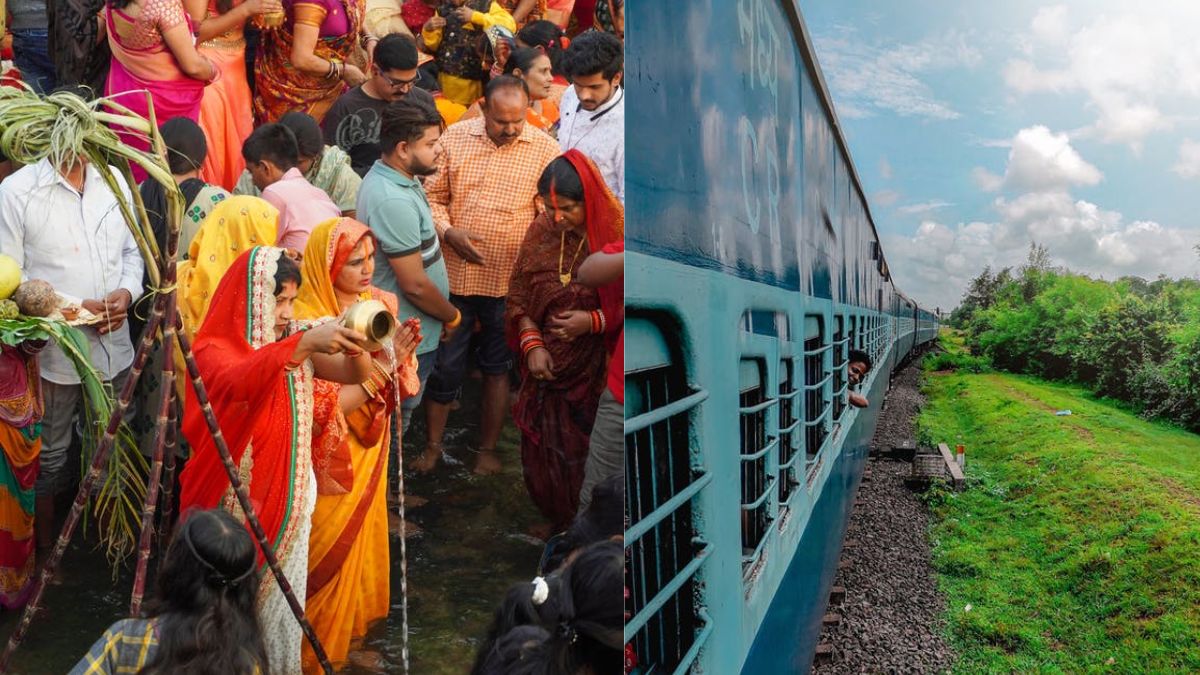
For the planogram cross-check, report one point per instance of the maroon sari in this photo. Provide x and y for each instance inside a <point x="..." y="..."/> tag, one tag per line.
<point x="556" y="416"/>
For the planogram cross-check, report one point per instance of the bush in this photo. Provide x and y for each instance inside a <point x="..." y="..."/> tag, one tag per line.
<point x="958" y="362"/>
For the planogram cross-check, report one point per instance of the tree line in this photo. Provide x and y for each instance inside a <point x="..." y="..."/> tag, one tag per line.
<point x="1132" y="340"/>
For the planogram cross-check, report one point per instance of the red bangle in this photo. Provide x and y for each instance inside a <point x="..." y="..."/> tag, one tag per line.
<point x="292" y="364"/>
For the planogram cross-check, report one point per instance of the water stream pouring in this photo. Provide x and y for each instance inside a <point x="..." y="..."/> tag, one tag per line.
<point x="390" y="350"/>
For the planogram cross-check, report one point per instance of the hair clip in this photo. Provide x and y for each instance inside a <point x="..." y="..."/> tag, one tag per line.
<point x="541" y="590"/>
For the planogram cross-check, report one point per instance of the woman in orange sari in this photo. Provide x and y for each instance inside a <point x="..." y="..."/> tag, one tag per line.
<point x="533" y="66"/>
<point x="259" y="371"/>
<point x="226" y="111"/>
<point x="308" y="61"/>
<point x="153" y="50"/>
<point x="561" y="332"/>
<point x="348" y="559"/>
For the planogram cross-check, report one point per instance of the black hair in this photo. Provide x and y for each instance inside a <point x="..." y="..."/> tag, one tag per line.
<point x="517" y="609"/>
<point x="186" y="145"/>
<point x="310" y="142"/>
<point x="522" y="58"/>
<point x="595" y="52"/>
<point x="205" y="603"/>
<point x="286" y="270"/>
<point x="406" y="120"/>
<point x="548" y="36"/>
<point x="497" y="84"/>
<point x="81" y="90"/>
<point x="274" y="143"/>
<point x="520" y="651"/>
<point x="396" y="52"/>
<point x="860" y="356"/>
<point x="560" y="177"/>
<point x="588" y="629"/>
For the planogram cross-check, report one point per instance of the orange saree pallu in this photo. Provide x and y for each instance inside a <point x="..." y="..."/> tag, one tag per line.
<point x="265" y="413"/>
<point x="281" y="88"/>
<point x="348" y="557"/>
<point x="226" y="111"/>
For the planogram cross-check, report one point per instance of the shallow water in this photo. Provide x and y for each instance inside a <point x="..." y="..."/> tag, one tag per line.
<point x="473" y="546"/>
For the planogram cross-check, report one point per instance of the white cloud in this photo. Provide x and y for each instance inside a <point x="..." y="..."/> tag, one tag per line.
<point x="1128" y="66"/>
<point x="866" y="77"/>
<point x="924" y="207"/>
<point x="885" y="168"/>
<point x="1042" y="160"/>
<point x="935" y="264"/>
<point x="986" y="180"/>
<point x="1188" y="165"/>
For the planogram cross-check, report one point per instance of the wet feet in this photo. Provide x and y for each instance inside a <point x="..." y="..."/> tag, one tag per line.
<point x="411" y="529"/>
<point x="368" y="660"/>
<point x="428" y="460"/>
<point x="410" y="501"/>
<point x="488" y="463"/>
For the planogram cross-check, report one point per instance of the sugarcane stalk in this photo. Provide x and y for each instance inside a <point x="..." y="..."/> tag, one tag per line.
<point x="243" y="497"/>
<point x="164" y="305"/>
<point x="168" y="482"/>
<point x="85" y="488"/>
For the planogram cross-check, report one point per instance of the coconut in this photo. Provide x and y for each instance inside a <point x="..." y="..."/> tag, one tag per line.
<point x="10" y="276"/>
<point x="36" y="298"/>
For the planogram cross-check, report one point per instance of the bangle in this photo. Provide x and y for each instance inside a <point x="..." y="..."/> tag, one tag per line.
<point x="292" y="364"/>
<point x="454" y="322"/>
<point x="383" y="372"/>
<point x="354" y="354"/>
<point x="369" y="387"/>
<point x="532" y="345"/>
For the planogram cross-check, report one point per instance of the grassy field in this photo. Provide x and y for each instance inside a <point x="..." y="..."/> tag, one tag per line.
<point x="1077" y="546"/>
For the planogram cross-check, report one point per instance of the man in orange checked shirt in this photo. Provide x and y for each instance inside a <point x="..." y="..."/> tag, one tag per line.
<point x="482" y="198"/>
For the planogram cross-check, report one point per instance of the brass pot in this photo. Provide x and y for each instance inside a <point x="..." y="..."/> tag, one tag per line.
<point x="371" y="318"/>
<point x="272" y="19"/>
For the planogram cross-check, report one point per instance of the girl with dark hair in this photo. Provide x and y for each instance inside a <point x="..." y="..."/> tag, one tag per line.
<point x="586" y="635"/>
<point x="551" y="39"/>
<point x="560" y="331"/>
<point x="259" y="368"/>
<point x="203" y="621"/>
<point x="532" y="66"/>
<point x="524" y="604"/>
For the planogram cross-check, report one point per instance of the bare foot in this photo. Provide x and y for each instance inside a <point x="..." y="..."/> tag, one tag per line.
<point x="428" y="459"/>
<point x="414" y="502"/>
<point x="455" y="405"/>
<point x="368" y="660"/>
<point x="411" y="529"/>
<point x="488" y="464"/>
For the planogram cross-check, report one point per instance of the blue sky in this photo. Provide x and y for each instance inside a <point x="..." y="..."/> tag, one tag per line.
<point x="978" y="127"/>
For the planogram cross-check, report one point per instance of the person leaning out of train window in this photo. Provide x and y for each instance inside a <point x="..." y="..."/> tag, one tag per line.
<point x="857" y="368"/>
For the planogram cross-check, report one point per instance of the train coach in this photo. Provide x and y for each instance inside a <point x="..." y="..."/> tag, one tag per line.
<point x="753" y="268"/>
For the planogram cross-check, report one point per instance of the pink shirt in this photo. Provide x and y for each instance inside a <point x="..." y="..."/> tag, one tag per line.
<point x="301" y="208"/>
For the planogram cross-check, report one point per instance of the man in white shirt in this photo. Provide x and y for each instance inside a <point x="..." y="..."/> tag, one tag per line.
<point x="64" y="226"/>
<point x="592" y="117"/>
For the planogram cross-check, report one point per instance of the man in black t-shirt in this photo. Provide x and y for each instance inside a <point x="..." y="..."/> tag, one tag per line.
<point x="353" y="122"/>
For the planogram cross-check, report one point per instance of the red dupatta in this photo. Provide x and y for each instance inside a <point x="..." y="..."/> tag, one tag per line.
<point x="263" y="409"/>
<point x="605" y="224"/>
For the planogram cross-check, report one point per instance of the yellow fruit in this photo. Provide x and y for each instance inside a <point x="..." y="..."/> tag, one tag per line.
<point x="10" y="276"/>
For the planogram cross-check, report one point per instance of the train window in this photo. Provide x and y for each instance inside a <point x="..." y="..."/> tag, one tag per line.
<point x="788" y="477"/>
<point x="663" y="549"/>
<point x="816" y="376"/>
<point x="840" y="354"/>
<point x="756" y="448"/>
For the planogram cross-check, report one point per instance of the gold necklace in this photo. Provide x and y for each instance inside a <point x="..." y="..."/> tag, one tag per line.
<point x="562" y="245"/>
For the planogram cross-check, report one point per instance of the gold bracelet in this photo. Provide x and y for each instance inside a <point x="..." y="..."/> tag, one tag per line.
<point x="456" y="321"/>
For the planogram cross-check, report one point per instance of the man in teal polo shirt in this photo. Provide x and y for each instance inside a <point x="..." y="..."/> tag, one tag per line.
<point x="392" y="203"/>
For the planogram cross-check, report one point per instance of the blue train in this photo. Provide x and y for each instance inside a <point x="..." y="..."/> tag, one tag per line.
<point x="753" y="267"/>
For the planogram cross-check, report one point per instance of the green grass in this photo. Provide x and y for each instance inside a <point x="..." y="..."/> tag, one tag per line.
<point x="1077" y="543"/>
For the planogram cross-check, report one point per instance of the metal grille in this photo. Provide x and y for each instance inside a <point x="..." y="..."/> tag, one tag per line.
<point x="756" y="446"/>
<point x="788" y="424"/>
<point x="815" y="379"/>
<point x="839" y="367"/>
<point x="663" y="551"/>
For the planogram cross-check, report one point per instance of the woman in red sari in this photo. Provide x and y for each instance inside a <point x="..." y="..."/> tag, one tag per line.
<point x="259" y="371"/>
<point x="562" y="333"/>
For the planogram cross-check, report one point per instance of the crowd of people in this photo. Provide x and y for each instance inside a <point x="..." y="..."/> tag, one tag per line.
<point x="460" y="162"/>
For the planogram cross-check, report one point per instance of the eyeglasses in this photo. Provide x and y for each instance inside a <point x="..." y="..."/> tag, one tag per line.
<point x="399" y="84"/>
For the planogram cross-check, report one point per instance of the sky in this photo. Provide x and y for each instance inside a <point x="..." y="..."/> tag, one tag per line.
<point x="977" y="127"/>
